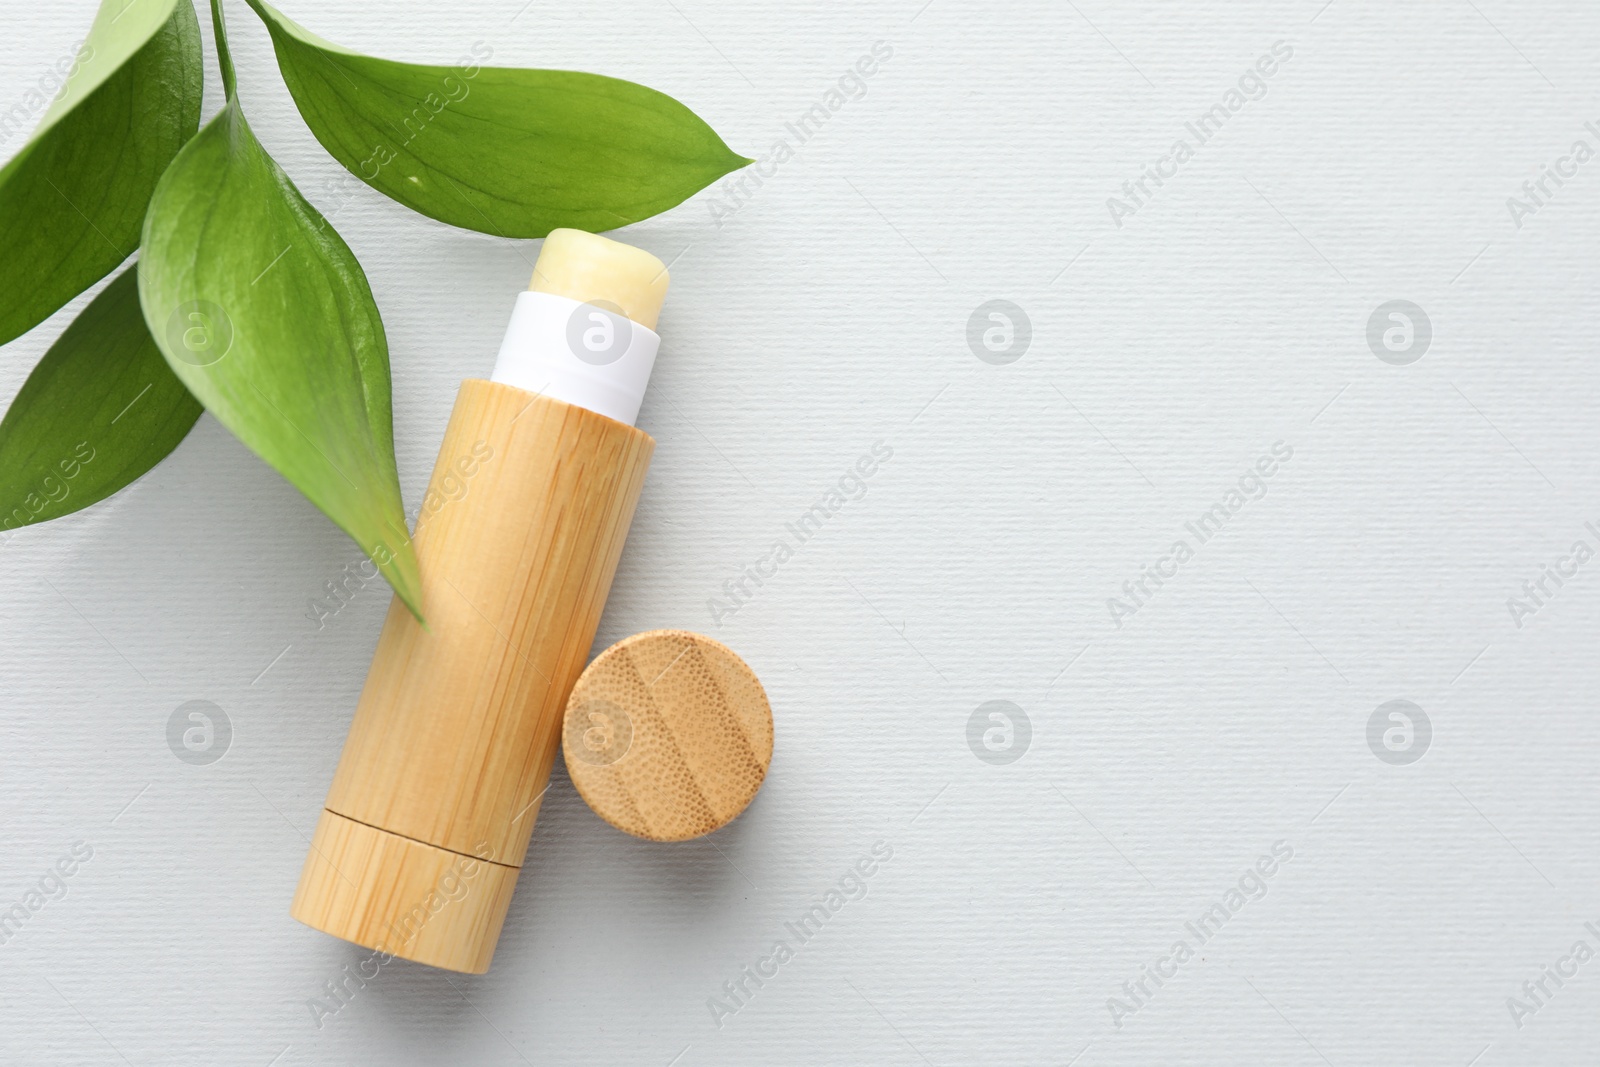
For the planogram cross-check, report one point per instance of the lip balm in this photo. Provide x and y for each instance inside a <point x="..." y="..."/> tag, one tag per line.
<point x="426" y="825"/>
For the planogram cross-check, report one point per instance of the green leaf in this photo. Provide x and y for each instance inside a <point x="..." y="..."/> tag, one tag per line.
<point x="510" y="152"/>
<point x="73" y="199"/>
<point x="263" y="312"/>
<point x="99" y="410"/>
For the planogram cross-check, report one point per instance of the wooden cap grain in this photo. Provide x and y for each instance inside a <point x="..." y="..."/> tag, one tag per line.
<point x="668" y="735"/>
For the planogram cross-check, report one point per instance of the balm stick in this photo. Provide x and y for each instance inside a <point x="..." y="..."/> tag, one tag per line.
<point x="427" y="822"/>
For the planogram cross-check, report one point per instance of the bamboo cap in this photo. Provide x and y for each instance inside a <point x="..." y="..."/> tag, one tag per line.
<point x="668" y="735"/>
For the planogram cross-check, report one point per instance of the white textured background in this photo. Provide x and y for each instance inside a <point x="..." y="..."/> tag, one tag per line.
<point x="829" y="313"/>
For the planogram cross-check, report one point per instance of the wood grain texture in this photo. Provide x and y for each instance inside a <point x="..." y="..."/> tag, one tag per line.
<point x="668" y="735"/>
<point x="457" y="726"/>
<point x="403" y="897"/>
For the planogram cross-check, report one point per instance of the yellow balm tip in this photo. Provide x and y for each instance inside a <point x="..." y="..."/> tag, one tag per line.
<point x="588" y="267"/>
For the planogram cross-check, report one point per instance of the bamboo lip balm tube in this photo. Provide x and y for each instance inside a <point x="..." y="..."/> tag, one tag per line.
<point x="668" y="735"/>
<point x="427" y="822"/>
